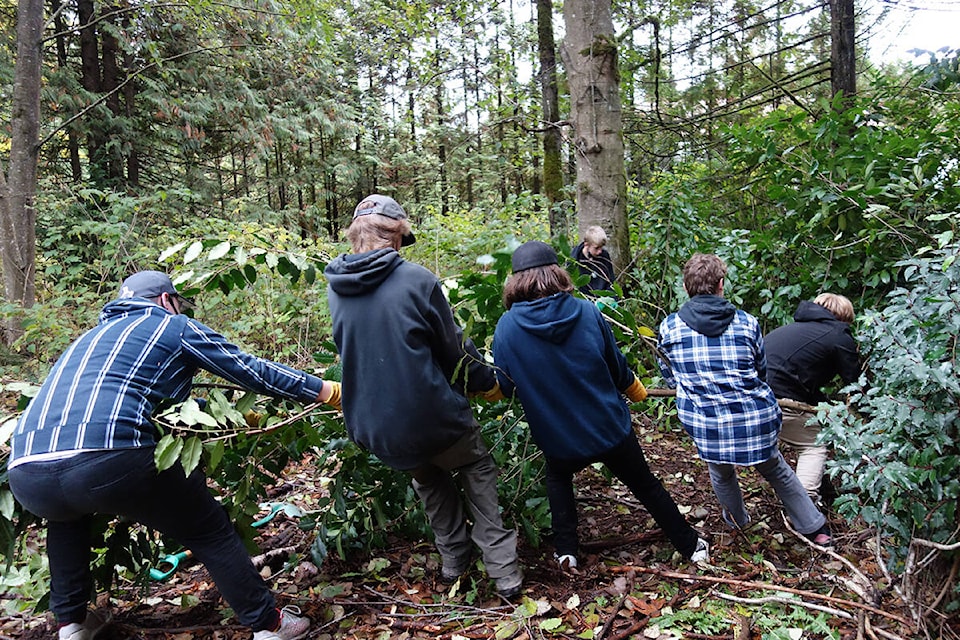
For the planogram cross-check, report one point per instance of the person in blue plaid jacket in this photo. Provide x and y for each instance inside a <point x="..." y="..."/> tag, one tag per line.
<point x="713" y="354"/>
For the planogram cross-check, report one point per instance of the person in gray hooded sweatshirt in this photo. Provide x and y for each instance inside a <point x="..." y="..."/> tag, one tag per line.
<point x="713" y="354"/>
<point x="404" y="355"/>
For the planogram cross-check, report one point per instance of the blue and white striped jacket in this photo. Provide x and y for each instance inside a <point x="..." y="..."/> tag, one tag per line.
<point x="102" y="391"/>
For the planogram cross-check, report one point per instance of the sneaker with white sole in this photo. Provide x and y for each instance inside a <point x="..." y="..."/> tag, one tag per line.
<point x="702" y="552"/>
<point x="91" y="626"/>
<point x="292" y="626"/>
<point x="567" y="562"/>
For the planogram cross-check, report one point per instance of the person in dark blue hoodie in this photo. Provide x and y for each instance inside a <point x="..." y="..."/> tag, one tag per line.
<point x="558" y="356"/>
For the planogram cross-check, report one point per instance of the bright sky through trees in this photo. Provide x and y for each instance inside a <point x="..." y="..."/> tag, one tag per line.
<point x="911" y="24"/>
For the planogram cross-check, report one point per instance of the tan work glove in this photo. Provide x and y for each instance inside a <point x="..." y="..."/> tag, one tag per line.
<point x="636" y="391"/>
<point x="334" y="400"/>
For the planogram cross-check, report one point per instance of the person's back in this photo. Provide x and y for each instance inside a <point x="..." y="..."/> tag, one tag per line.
<point x="806" y="355"/>
<point x="714" y="354"/>
<point x="714" y="357"/>
<point x="395" y="333"/>
<point x="803" y="358"/>
<point x="406" y="371"/>
<point x="553" y="351"/>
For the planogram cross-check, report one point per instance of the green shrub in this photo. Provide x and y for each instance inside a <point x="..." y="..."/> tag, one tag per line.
<point x="896" y="446"/>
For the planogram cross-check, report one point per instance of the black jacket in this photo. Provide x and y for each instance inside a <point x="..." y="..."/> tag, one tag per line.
<point x="806" y="355"/>
<point x="599" y="268"/>
<point x="406" y="365"/>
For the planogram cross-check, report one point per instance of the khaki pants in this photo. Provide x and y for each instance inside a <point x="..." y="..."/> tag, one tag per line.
<point x="811" y="457"/>
<point x="469" y="462"/>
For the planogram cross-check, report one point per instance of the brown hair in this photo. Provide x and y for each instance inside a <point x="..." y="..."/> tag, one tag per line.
<point x="535" y="283"/>
<point x="368" y="233"/>
<point x="839" y="306"/>
<point x="702" y="274"/>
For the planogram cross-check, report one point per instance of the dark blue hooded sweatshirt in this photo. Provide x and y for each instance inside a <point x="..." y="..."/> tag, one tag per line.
<point x="559" y="357"/>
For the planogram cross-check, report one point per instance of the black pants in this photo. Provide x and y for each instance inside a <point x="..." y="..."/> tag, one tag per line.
<point x="627" y="462"/>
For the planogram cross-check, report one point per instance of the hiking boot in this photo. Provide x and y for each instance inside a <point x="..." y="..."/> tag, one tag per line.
<point x="821" y="537"/>
<point x="509" y="587"/>
<point x="450" y="572"/>
<point x="702" y="552"/>
<point x="291" y="626"/>
<point x="91" y="626"/>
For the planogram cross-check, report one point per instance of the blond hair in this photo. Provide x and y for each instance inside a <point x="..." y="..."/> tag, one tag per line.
<point x="368" y="233"/>
<point x="840" y="306"/>
<point x="595" y="236"/>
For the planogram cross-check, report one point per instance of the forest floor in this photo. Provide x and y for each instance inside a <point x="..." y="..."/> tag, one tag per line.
<point x="765" y="582"/>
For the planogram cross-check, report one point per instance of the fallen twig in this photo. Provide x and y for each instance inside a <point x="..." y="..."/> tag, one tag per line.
<point x="759" y="585"/>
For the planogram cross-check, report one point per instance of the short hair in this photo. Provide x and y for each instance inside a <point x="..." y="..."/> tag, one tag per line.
<point x="535" y="283"/>
<point x="595" y="236"/>
<point x="368" y="233"/>
<point x="840" y="306"/>
<point x="702" y="274"/>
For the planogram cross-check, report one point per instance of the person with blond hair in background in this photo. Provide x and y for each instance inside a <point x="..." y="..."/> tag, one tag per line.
<point x="803" y="357"/>
<point x="594" y="261"/>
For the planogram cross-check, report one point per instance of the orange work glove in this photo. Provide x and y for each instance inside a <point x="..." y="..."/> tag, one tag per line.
<point x="492" y="394"/>
<point x="636" y="391"/>
<point x="334" y="399"/>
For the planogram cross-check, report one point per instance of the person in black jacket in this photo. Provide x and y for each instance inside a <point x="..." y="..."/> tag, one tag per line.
<point x="802" y="358"/>
<point x="594" y="261"/>
<point x="408" y="361"/>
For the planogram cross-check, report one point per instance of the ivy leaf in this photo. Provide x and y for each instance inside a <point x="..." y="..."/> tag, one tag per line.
<point x="169" y="251"/>
<point x="216" y="451"/>
<point x="6" y="504"/>
<point x="191" y="414"/>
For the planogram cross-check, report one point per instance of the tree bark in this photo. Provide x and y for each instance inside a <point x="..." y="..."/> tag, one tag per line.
<point x="843" y="58"/>
<point x="18" y="218"/>
<point x="590" y="56"/>
<point x="552" y="167"/>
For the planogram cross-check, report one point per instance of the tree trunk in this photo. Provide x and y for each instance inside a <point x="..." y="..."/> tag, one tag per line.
<point x="552" y="169"/>
<point x="590" y="57"/>
<point x="18" y="218"/>
<point x="843" y="58"/>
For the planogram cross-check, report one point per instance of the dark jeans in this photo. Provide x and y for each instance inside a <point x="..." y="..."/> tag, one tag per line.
<point x="627" y="462"/>
<point x="126" y="483"/>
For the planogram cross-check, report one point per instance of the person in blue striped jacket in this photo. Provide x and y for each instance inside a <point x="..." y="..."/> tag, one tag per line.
<point x="85" y="445"/>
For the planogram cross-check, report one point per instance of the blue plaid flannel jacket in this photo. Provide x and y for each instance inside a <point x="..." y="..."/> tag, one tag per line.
<point x="723" y="400"/>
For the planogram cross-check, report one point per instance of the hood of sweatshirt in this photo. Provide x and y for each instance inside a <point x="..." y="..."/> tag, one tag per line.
<point x="808" y="311"/>
<point x="355" y="274"/>
<point x="707" y="314"/>
<point x="551" y="318"/>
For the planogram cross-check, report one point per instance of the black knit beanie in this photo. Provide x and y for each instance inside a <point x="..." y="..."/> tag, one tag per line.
<point x="533" y="254"/>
